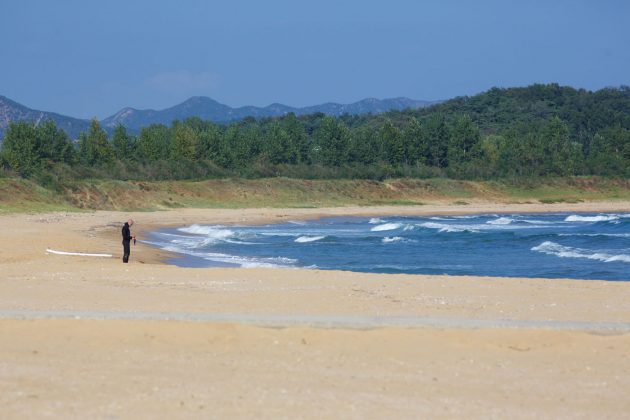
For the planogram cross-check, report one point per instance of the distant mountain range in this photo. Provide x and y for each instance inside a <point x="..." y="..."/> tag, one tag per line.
<point x="197" y="106"/>
<point x="12" y="111"/>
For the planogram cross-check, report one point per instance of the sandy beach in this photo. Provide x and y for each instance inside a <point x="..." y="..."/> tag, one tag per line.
<point x="85" y="337"/>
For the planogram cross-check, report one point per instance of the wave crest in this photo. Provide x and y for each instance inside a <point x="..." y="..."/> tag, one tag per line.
<point x="442" y="227"/>
<point x="388" y="239"/>
<point x="304" y="239"/>
<point x="599" y="218"/>
<point x="217" y="232"/>
<point x="500" y="221"/>
<point x="553" y="248"/>
<point x="386" y="226"/>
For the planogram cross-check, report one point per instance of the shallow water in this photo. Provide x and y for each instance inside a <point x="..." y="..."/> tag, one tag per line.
<point x="580" y="246"/>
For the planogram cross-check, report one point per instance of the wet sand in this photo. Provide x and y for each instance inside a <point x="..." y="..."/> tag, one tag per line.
<point x="158" y="341"/>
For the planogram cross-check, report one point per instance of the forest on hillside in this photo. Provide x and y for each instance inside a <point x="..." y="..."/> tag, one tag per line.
<point x="540" y="130"/>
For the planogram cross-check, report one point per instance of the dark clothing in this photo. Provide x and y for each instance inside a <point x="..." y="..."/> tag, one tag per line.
<point x="126" y="251"/>
<point x="126" y="234"/>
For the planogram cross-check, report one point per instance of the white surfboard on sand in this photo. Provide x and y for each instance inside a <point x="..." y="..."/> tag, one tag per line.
<point x="80" y="254"/>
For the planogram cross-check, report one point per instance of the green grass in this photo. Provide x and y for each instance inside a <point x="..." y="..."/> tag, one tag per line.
<point x="22" y="196"/>
<point x="560" y="200"/>
<point x="567" y="190"/>
<point x="18" y="195"/>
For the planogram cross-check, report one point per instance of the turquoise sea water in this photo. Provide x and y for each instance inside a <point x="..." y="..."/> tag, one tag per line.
<point x="580" y="246"/>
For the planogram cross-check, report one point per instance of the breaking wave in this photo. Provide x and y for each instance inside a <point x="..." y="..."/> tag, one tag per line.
<point x="443" y="227"/>
<point x="211" y="231"/>
<point x="386" y="226"/>
<point x="207" y="235"/>
<point x="234" y="260"/>
<point x="553" y="248"/>
<point x="500" y="221"/>
<point x="394" y="239"/>
<point x="387" y="239"/>
<point x="304" y="239"/>
<point x="612" y="235"/>
<point x="599" y="218"/>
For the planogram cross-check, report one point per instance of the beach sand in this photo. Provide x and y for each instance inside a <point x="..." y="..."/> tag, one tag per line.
<point x="85" y="337"/>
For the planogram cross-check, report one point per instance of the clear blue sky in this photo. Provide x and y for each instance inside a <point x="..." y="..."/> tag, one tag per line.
<point x="91" y="58"/>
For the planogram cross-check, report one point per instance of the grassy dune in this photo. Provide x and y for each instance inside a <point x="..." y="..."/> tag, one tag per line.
<point x="17" y="195"/>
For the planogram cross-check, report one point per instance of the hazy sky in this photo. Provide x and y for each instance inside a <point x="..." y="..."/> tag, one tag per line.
<point x="91" y="58"/>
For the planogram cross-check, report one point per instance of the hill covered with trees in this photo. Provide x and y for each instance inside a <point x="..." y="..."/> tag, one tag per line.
<point x="540" y="130"/>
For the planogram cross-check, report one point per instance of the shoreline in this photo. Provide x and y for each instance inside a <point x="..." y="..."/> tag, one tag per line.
<point x="104" y="226"/>
<point x="162" y="256"/>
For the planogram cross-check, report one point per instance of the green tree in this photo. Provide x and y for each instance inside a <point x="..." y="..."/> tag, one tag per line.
<point x="277" y="145"/>
<point x="491" y="148"/>
<point x="561" y="156"/>
<point x="154" y="143"/>
<point x="227" y="141"/>
<point x="20" y="148"/>
<point x="364" y="146"/>
<point x="609" y="152"/>
<point x="464" y="141"/>
<point x="332" y="139"/>
<point x="438" y="139"/>
<point x="94" y="149"/>
<point x="185" y="144"/>
<point x="210" y="140"/>
<point x="297" y="135"/>
<point x="248" y="145"/>
<point x="392" y="144"/>
<point x="52" y="144"/>
<point x="416" y="142"/>
<point x="122" y="143"/>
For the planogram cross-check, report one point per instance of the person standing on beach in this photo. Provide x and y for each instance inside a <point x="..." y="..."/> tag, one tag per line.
<point x="126" y="235"/>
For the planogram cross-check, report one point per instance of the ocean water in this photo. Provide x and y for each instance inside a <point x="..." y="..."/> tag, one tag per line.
<point x="580" y="246"/>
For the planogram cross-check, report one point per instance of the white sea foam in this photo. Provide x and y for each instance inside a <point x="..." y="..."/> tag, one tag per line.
<point x="501" y="224"/>
<point x="539" y="222"/>
<point x="386" y="226"/>
<point x="304" y="239"/>
<point x="282" y="234"/>
<point x="613" y="235"/>
<point x="553" y="248"/>
<point x="207" y="235"/>
<point x="261" y="264"/>
<point x="179" y="250"/>
<point x="239" y="261"/>
<point x="443" y="227"/>
<point x="500" y="221"/>
<point x="217" y="232"/>
<point x="192" y="243"/>
<point x="391" y="239"/>
<point x="600" y="218"/>
<point x="251" y="262"/>
<point x="376" y="221"/>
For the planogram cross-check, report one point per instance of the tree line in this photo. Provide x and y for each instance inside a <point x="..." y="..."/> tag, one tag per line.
<point x="541" y="130"/>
